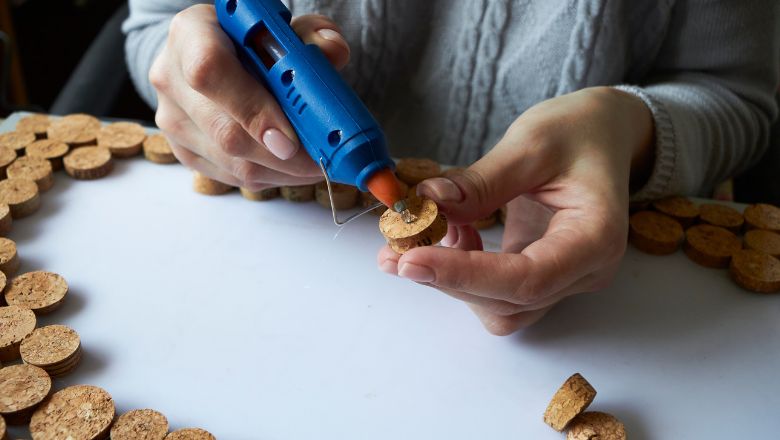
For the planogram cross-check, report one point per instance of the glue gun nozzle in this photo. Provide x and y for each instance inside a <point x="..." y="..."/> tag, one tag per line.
<point x="387" y="189"/>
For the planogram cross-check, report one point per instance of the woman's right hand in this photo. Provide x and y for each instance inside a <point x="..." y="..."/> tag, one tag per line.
<point x="217" y="117"/>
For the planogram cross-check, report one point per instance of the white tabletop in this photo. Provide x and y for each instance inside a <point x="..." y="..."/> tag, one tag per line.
<point x="260" y="320"/>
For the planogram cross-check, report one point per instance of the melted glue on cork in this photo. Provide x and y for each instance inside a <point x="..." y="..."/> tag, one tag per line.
<point x="388" y="190"/>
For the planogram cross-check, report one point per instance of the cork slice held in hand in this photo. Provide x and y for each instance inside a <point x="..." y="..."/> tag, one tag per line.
<point x="427" y="228"/>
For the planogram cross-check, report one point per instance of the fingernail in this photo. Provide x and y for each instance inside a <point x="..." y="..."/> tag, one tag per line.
<point x="415" y="272"/>
<point x="278" y="144"/>
<point x="331" y="35"/>
<point x="389" y="266"/>
<point x="442" y="189"/>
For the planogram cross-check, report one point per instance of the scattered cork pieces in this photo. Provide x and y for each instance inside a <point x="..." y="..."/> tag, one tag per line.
<point x="711" y="246"/>
<point x="9" y="260"/>
<point x="7" y="156"/>
<point x="760" y="240"/>
<point x="190" y="434"/>
<point x="79" y="412"/>
<point x="140" y="424"/>
<point x="763" y="216"/>
<point x="260" y="196"/>
<point x="40" y="291"/>
<point x="88" y="163"/>
<point x="16" y="323"/>
<point x="32" y="168"/>
<point x="55" y="348"/>
<point x="210" y="187"/>
<point x="654" y="233"/>
<point x="35" y="123"/>
<point x="755" y="271"/>
<point x="721" y="215"/>
<point x="17" y="140"/>
<point x="571" y="399"/>
<point x="123" y="139"/>
<point x="428" y="229"/>
<point x="158" y="150"/>
<point x="6" y="220"/>
<point x="681" y="209"/>
<point x="52" y="150"/>
<point x="594" y="425"/>
<point x="300" y="193"/>
<point x="22" y="388"/>
<point x="486" y="222"/>
<point x="76" y="130"/>
<point x="413" y="171"/>
<point x="344" y="196"/>
<point x="21" y="196"/>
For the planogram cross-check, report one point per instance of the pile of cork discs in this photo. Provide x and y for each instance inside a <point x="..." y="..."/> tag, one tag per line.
<point x="714" y="235"/>
<point x="34" y="357"/>
<point x="566" y="411"/>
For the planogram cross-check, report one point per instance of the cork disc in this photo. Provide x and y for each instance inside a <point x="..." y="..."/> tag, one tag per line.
<point x="140" y="424"/>
<point x="755" y="271"/>
<point x="300" y="193"/>
<point x="720" y="215"/>
<point x="7" y="156"/>
<point x="655" y="233"/>
<point x="190" y="434"/>
<point x="9" y="260"/>
<point x="485" y="223"/>
<point x="88" y="163"/>
<point x="344" y="196"/>
<point x="428" y="228"/>
<point x="413" y="171"/>
<point x="77" y="412"/>
<point x="210" y="187"/>
<point x="760" y="240"/>
<point x="711" y="246"/>
<point x="75" y="130"/>
<point x="51" y="150"/>
<point x="50" y="345"/>
<point x="17" y="140"/>
<point x="21" y="196"/>
<point x="594" y="425"/>
<point x="679" y="208"/>
<point x="570" y="400"/>
<point x="5" y="219"/>
<point x="260" y="196"/>
<point x="123" y="139"/>
<point x="15" y="324"/>
<point x="40" y="291"/>
<point x="22" y="388"/>
<point x="35" y="123"/>
<point x="763" y="216"/>
<point x="33" y="168"/>
<point x="157" y="149"/>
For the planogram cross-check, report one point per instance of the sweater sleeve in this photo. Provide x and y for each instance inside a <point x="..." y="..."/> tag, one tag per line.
<point x="711" y="91"/>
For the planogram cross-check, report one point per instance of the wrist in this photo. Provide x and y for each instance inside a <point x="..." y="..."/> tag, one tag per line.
<point x="637" y="119"/>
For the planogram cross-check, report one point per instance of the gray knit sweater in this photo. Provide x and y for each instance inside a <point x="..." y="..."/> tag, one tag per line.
<point x="446" y="78"/>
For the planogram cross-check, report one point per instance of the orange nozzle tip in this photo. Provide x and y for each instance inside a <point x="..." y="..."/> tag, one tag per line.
<point x="385" y="187"/>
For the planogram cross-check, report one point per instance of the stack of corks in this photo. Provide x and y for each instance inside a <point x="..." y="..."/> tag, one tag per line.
<point x="567" y="411"/>
<point x="715" y="235"/>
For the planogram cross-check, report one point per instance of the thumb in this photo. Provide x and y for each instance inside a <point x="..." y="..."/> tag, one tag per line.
<point x="322" y="31"/>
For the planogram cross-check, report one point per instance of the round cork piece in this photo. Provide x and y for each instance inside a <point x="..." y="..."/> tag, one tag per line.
<point x="40" y="291"/>
<point x="75" y="130"/>
<point x="22" y="388"/>
<point x="50" y="346"/>
<point x="594" y="425"/>
<point x="3" y="434"/>
<point x="140" y="424"/>
<point x="21" y="196"/>
<point x="51" y="150"/>
<point x="711" y="246"/>
<point x="15" y="324"/>
<point x="760" y="240"/>
<point x="570" y="400"/>
<point x="413" y="171"/>
<point x="260" y="196"/>
<point x="486" y="222"/>
<point x="88" y="163"/>
<point x="17" y="140"/>
<point x="428" y="227"/>
<point x="720" y="215"/>
<point x="654" y="233"/>
<point x="78" y="412"/>
<point x="7" y="156"/>
<point x="35" y="123"/>
<point x="66" y="367"/>
<point x="5" y="219"/>
<point x="763" y="216"/>
<point x="755" y="271"/>
<point x="681" y="209"/>
<point x="36" y="169"/>
<point x="344" y="196"/>
<point x="210" y="187"/>
<point x="190" y="434"/>
<point x="123" y="139"/>
<point x="300" y="193"/>
<point x="9" y="260"/>
<point x="158" y="150"/>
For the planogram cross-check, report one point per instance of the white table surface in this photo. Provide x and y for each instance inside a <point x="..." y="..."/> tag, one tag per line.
<point x="256" y="320"/>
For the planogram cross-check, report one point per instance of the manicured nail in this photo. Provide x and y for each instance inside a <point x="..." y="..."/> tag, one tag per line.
<point x="389" y="266"/>
<point x="278" y="144"/>
<point x="331" y="35"/>
<point x="442" y="189"/>
<point x="415" y="272"/>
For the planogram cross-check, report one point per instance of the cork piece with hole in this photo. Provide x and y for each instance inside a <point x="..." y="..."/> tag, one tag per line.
<point x="42" y="292"/>
<point x="21" y="196"/>
<point x="721" y="215"/>
<point x="763" y="216"/>
<point x="207" y="186"/>
<point x="755" y="271"/>
<point x="140" y="424"/>
<point x="571" y="399"/>
<point x="711" y="246"/>
<point x="76" y="130"/>
<point x="22" y="388"/>
<point x="123" y="139"/>
<point x="344" y="196"/>
<point x="427" y="229"/>
<point x="654" y="233"/>
<point x="594" y="425"/>
<point x="35" y="123"/>
<point x="7" y="157"/>
<point x="17" y="140"/>
<point x="681" y="209"/>
<point x="52" y="150"/>
<point x="299" y="193"/>
<point x="413" y="171"/>
<point x="16" y="323"/>
<point x="158" y="150"/>
<point x="6" y="220"/>
<point x="53" y="348"/>
<point x="190" y="434"/>
<point x="88" y="163"/>
<point x="9" y="259"/>
<point x="33" y="168"/>
<point x="260" y="196"/>
<point x="77" y="412"/>
<point x="760" y="240"/>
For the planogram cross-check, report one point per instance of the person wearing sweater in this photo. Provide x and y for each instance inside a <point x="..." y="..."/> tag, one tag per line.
<point x="564" y="110"/>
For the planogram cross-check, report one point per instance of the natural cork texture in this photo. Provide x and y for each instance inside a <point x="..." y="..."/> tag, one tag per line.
<point x="75" y="130"/>
<point x="88" y="163"/>
<point x="140" y="424"/>
<point x="9" y="260"/>
<point x="33" y="168"/>
<point x="763" y="216"/>
<point x="157" y="149"/>
<point x="571" y="399"/>
<point x="755" y="271"/>
<point x="767" y="242"/>
<point x="21" y="196"/>
<point x="679" y="208"/>
<point x="16" y="323"/>
<point x="50" y="347"/>
<point x="711" y="246"/>
<point x="6" y="220"/>
<point x="427" y="229"/>
<point x="40" y="291"/>
<point x="260" y="196"/>
<point x="3" y="433"/>
<point x="344" y="196"/>
<point x="190" y="434"/>
<point x="413" y="171"/>
<point x="594" y="425"/>
<point x="17" y="140"/>
<point x="654" y="233"/>
<point x="52" y="150"/>
<point x="78" y="412"/>
<point x="123" y="139"/>
<point x="486" y="222"/>
<point x="7" y="156"/>
<point x="210" y="187"/>
<point x="35" y="123"/>
<point x="721" y="215"/>
<point x="300" y="193"/>
<point x="22" y="388"/>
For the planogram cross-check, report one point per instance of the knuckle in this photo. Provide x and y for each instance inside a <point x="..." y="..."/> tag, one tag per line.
<point x="480" y="188"/>
<point x="246" y="172"/>
<point x="158" y="74"/>
<point x="202" y="65"/>
<point x="166" y="122"/>
<point x="229" y="137"/>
